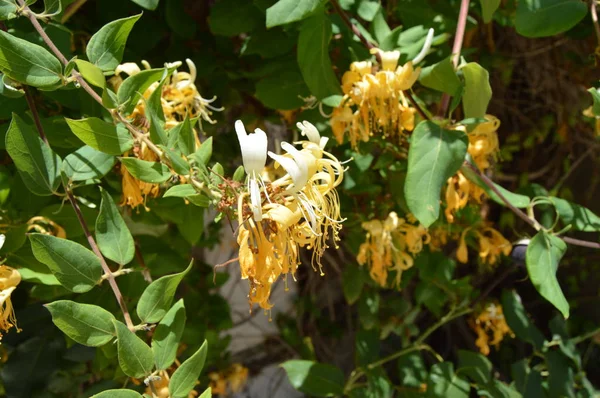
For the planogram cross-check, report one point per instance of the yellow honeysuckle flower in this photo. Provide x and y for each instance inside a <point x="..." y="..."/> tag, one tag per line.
<point x="391" y="245"/>
<point x="490" y="326"/>
<point x="9" y="279"/>
<point x="44" y="225"/>
<point x="298" y="209"/>
<point x="230" y="380"/>
<point x="491" y="245"/>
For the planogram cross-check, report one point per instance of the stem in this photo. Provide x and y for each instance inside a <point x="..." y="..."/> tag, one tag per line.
<point x="445" y="319"/>
<point x="344" y="16"/>
<point x="594" y="14"/>
<point x="31" y="16"/>
<point x="35" y="114"/>
<point x="486" y="180"/>
<point x="416" y="105"/>
<point x="584" y="337"/>
<point x="456" y="48"/>
<point x="398" y="354"/>
<point x="108" y="273"/>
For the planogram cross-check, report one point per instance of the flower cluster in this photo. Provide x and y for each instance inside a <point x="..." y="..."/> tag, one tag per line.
<point x="180" y="99"/>
<point x="374" y="101"/>
<point x="490" y="327"/>
<point x="490" y="241"/>
<point x="299" y="209"/>
<point x="483" y="147"/>
<point x="9" y="279"/>
<point x="391" y="246"/>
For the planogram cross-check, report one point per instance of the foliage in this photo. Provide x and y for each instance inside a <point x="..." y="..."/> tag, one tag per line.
<point x="118" y="177"/>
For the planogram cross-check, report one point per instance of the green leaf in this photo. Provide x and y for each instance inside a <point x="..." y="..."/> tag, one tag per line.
<point x="75" y="267"/>
<point x="8" y="9"/>
<point x="156" y="116"/>
<point x="179" y="164"/>
<point x="542" y="18"/>
<point x="596" y="98"/>
<point x="102" y="136"/>
<point x="316" y="379"/>
<point x="203" y="154"/>
<point x="52" y="7"/>
<point x="135" y="356"/>
<point x="206" y="394"/>
<point x="132" y="88"/>
<point x="518" y="320"/>
<point x="542" y="257"/>
<point x="443" y="382"/>
<point x="91" y="73"/>
<point x="488" y="7"/>
<point x="28" y="63"/>
<point x="87" y="163"/>
<point x="167" y="335"/>
<point x="313" y="56"/>
<point x="477" y="92"/>
<point x="105" y="48"/>
<point x="517" y="200"/>
<point x="368" y="9"/>
<point x="147" y="4"/>
<point x="477" y="367"/>
<point x="112" y="235"/>
<point x="441" y="77"/>
<point x="286" y="11"/>
<point x="352" y="283"/>
<point x="180" y="191"/>
<point x="579" y="217"/>
<point x="233" y="17"/>
<point x="282" y="90"/>
<point x="158" y="296"/>
<point x="87" y="324"/>
<point x="435" y="154"/>
<point x="183" y="136"/>
<point x="121" y="393"/>
<point x="152" y="172"/>
<point x="185" y="377"/>
<point x="37" y="164"/>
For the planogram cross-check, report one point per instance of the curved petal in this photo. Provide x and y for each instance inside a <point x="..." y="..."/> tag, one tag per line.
<point x="254" y="148"/>
<point x="310" y="131"/>
<point x="255" y="199"/>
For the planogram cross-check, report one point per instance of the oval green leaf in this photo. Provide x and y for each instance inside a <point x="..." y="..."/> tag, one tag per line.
<point x="87" y="324"/>
<point x="101" y="135"/>
<point x="579" y="217"/>
<point x="113" y="236"/>
<point x="185" y="377"/>
<point x="314" y="378"/>
<point x="152" y="172"/>
<point x="123" y="393"/>
<point x="167" y="335"/>
<point x="541" y="18"/>
<point x="158" y="296"/>
<point x="105" y="48"/>
<point x="313" y="56"/>
<point x="435" y="154"/>
<point x="91" y="73"/>
<point x="477" y="92"/>
<point x="37" y="164"/>
<point x="87" y="163"/>
<point x="75" y="267"/>
<point x="135" y="356"/>
<point x="542" y="257"/>
<point x="28" y="63"/>
<point x="132" y="88"/>
<point x="286" y="11"/>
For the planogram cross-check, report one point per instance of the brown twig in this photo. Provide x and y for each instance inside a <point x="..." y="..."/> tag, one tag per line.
<point x="490" y="184"/>
<point x="594" y="14"/>
<point x="456" y="48"/>
<point x="82" y="222"/>
<point x="416" y="105"/>
<point x="344" y="16"/>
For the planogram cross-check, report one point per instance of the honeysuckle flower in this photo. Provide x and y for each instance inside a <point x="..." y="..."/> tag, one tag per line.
<point x="490" y="326"/>
<point x="230" y="380"/>
<point x="135" y="192"/>
<point x="491" y="244"/>
<point x="390" y="246"/>
<point x="9" y="279"/>
<point x="254" y="156"/>
<point x="44" y="225"/>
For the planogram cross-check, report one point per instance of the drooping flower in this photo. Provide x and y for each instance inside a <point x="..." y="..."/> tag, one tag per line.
<point x="374" y="101"/>
<point x="9" y="279"/>
<point x="391" y="245"/>
<point x="302" y="210"/>
<point x="254" y="156"/>
<point x="490" y="241"/>
<point x="490" y="326"/>
<point x="44" y="225"/>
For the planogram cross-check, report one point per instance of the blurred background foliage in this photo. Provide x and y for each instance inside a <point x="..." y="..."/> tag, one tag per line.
<point x="344" y="321"/>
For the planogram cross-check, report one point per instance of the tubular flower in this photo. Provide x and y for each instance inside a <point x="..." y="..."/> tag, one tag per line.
<point x="374" y="101"/>
<point x="391" y="245"/>
<point x="232" y="379"/>
<point x="490" y="327"/>
<point x="9" y="279"/>
<point x="44" y="225"/>
<point x="483" y="148"/>
<point x="135" y="191"/>
<point x="302" y="208"/>
<point x="491" y="245"/>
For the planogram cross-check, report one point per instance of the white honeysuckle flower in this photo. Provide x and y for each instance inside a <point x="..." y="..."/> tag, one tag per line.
<point x="296" y="167"/>
<point x="2" y="240"/>
<point x="131" y="68"/>
<point x="425" y="49"/>
<point x="254" y="157"/>
<point x="310" y="131"/>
